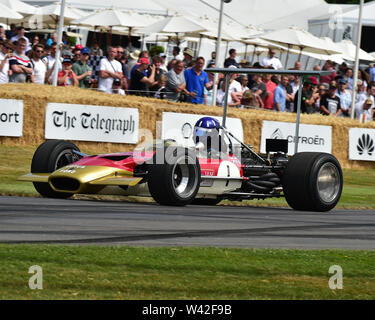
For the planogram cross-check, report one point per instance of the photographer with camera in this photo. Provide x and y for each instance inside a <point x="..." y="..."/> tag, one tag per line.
<point x="83" y="70"/>
<point x="109" y="69"/>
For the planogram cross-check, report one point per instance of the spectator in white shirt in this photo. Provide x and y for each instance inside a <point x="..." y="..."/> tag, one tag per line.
<point x="109" y="69"/>
<point x="271" y="61"/>
<point x="39" y="64"/>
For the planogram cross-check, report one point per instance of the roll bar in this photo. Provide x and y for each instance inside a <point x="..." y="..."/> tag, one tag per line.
<point x="228" y="71"/>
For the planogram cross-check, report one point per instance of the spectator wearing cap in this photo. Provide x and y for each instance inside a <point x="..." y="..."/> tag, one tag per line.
<point x="370" y="94"/>
<point x="345" y="98"/>
<point x="109" y="69"/>
<point x="5" y="54"/>
<point x="21" y="35"/>
<point x="231" y="60"/>
<point x="133" y="59"/>
<point x="188" y="58"/>
<point x="196" y="80"/>
<point x="280" y="95"/>
<point x="67" y="77"/>
<point x="39" y="64"/>
<point x="66" y="54"/>
<point x="271" y="61"/>
<point x="83" y="70"/>
<point x="330" y="103"/>
<point x="368" y="112"/>
<point x="20" y="64"/>
<point x="139" y="81"/>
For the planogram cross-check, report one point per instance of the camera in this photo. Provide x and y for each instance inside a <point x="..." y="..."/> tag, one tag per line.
<point x="117" y="82"/>
<point x="87" y="81"/>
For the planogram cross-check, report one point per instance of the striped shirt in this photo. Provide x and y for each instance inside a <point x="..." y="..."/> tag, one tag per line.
<point x="18" y="60"/>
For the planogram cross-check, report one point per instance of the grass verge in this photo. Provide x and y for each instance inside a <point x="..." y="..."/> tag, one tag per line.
<point x="358" y="190"/>
<point x="71" y="272"/>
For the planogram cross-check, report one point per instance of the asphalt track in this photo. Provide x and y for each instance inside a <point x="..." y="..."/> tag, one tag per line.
<point x="50" y="221"/>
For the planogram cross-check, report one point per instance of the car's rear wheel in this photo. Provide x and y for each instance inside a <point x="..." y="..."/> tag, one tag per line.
<point x="50" y="156"/>
<point x="175" y="181"/>
<point x="313" y="181"/>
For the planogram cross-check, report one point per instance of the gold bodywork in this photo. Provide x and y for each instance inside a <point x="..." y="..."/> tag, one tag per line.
<point x="91" y="179"/>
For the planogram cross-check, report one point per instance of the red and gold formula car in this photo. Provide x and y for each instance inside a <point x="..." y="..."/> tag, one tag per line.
<point x="176" y="175"/>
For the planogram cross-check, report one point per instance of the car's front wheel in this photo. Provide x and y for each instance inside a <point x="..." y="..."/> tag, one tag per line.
<point x="313" y="181"/>
<point x="50" y="156"/>
<point x="175" y="181"/>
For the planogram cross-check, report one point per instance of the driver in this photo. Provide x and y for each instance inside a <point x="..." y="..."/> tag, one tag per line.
<point x="207" y="137"/>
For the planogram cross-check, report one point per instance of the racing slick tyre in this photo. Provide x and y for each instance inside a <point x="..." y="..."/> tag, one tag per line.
<point x="312" y="181"/>
<point x="206" y="201"/>
<point x="176" y="181"/>
<point x="50" y="156"/>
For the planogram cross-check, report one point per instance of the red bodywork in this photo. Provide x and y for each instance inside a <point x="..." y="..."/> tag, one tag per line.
<point x="129" y="160"/>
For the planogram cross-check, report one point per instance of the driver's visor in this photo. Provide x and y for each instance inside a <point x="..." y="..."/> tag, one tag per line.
<point x="200" y="132"/>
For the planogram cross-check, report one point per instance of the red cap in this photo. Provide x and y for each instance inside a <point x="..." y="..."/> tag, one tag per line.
<point x="143" y="61"/>
<point x="313" y="80"/>
<point x="79" y="46"/>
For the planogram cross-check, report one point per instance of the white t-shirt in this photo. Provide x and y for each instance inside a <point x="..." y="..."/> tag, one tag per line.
<point x="234" y="86"/>
<point x="39" y="71"/>
<point x="4" y="77"/>
<point x="50" y="64"/>
<point x="275" y="62"/>
<point x="112" y="66"/>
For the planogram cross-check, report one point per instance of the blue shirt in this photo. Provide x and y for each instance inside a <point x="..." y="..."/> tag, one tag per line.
<point x="372" y="74"/>
<point x="280" y="97"/>
<point x="195" y="83"/>
<point x="345" y="99"/>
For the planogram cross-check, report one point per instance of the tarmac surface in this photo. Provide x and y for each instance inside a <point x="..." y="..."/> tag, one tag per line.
<point x="89" y="222"/>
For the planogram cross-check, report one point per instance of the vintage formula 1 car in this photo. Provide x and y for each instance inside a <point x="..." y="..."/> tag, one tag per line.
<point x="176" y="175"/>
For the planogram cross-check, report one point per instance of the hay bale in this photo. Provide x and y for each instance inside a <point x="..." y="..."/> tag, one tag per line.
<point x="36" y="97"/>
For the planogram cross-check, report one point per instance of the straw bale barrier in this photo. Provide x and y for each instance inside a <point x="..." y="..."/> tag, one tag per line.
<point x="36" y="97"/>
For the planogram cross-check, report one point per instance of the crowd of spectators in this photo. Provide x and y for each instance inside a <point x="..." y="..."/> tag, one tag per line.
<point x="184" y="78"/>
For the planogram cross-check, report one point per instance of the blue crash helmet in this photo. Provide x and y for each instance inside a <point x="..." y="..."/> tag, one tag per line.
<point x="206" y="127"/>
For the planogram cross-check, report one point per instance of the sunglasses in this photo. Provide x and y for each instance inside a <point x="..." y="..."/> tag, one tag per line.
<point x="120" y="52"/>
<point x="39" y="51"/>
<point x="77" y="55"/>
